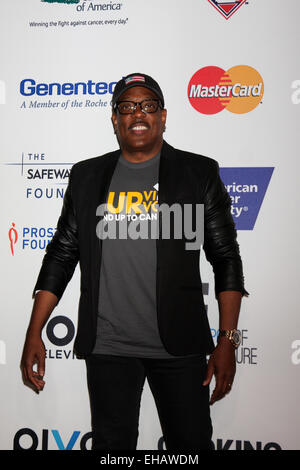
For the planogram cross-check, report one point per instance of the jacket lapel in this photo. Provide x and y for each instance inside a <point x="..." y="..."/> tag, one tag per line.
<point x="170" y="186"/>
<point x="170" y="175"/>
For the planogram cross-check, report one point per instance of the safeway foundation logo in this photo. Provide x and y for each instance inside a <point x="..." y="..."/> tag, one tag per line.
<point x="239" y="89"/>
<point x="227" y="9"/>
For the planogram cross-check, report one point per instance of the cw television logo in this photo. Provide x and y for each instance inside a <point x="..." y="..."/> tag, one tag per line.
<point x="227" y="9"/>
<point x="212" y="89"/>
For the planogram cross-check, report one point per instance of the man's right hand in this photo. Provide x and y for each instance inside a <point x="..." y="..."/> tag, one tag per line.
<point x="34" y="353"/>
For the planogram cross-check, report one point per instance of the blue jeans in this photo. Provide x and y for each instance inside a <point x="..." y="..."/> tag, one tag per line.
<point x="115" y="386"/>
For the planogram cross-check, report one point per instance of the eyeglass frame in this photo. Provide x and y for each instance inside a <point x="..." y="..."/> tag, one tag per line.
<point x="158" y="101"/>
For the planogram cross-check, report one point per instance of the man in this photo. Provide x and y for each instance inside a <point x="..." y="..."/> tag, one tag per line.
<point x="141" y="310"/>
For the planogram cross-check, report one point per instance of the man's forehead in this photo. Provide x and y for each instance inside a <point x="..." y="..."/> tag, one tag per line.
<point x="137" y="92"/>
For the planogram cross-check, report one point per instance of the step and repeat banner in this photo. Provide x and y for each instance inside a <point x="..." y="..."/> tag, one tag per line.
<point x="230" y="73"/>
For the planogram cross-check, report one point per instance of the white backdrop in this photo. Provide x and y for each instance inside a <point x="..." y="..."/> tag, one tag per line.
<point x="42" y="135"/>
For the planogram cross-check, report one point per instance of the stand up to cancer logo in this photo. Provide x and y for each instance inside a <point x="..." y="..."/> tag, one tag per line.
<point x="212" y="89"/>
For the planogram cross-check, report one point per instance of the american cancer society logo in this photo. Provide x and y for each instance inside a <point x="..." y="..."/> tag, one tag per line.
<point x="247" y="188"/>
<point x="227" y="9"/>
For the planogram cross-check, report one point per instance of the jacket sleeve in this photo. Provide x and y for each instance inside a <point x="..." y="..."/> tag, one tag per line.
<point x="220" y="238"/>
<point x="62" y="252"/>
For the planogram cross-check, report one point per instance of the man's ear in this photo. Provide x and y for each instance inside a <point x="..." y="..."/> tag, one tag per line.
<point x="114" y="121"/>
<point x="164" y="118"/>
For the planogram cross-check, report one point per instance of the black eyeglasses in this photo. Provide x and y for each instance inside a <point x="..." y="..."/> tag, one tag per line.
<point x="147" y="106"/>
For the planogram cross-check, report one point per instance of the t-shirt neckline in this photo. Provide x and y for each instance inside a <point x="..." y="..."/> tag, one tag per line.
<point x="139" y="165"/>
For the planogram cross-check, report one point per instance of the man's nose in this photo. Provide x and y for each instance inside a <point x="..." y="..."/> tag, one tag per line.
<point x="138" y="110"/>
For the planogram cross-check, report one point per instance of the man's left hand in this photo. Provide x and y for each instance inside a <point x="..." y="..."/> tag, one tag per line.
<point x="222" y="365"/>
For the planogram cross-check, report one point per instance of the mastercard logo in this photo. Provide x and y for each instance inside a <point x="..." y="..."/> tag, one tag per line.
<point x="239" y="89"/>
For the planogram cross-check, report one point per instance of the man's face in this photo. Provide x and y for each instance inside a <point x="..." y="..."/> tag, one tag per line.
<point x="139" y="131"/>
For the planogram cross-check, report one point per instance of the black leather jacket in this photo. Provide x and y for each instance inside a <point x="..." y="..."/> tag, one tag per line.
<point x="183" y="178"/>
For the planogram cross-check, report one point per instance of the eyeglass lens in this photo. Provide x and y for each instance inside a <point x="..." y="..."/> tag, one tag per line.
<point x="128" y="107"/>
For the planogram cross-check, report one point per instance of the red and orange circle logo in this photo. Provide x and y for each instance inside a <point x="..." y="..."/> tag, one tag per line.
<point x="212" y="89"/>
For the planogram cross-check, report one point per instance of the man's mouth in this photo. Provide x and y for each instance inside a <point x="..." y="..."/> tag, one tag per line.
<point x="139" y="127"/>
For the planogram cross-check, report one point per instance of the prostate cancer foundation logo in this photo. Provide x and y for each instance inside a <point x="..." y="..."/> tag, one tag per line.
<point x="212" y="89"/>
<point x="13" y="237"/>
<point x="227" y="9"/>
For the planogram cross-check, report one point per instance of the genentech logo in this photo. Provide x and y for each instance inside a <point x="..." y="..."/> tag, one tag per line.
<point x="227" y="9"/>
<point x="239" y="89"/>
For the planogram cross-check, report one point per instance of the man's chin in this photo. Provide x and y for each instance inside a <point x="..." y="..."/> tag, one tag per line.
<point x="140" y="146"/>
